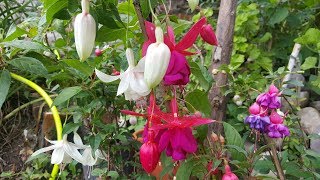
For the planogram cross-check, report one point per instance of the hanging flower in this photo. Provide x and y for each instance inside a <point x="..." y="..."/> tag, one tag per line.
<point x="63" y="151"/>
<point x="84" y="31"/>
<point x="228" y="174"/>
<point x="278" y="131"/>
<point x="178" y="139"/>
<point x="275" y="118"/>
<point x="207" y="34"/>
<point x="132" y="82"/>
<point x="149" y="153"/>
<point x="178" y="71"/>
<point x="157" y="60"/>
<point x="270" y="99"/>
<point x="258" y="122"/>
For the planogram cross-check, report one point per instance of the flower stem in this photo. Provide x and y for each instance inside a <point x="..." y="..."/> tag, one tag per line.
<point x="54" y="111"/>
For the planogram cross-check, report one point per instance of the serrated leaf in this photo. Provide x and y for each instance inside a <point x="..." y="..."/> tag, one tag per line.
<point x="27" y="45"/>
<point x="199" y="100"/>
<point x="69" y="127"/>
<point x="279" y="15"/>
<point x="83" y="67"/>
<point x="310" y="62"/>
<point x="66" y="94"/>
<point x="233" y="138"/>
<point x="5" y="81"/>
<point x="29" y="64"/>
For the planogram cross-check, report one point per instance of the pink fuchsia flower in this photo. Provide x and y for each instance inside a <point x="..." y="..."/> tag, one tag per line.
<point x="258" y="122"/>
<point x="270" y="99"/>
<point x="275" y="118"/>
<point x="228" y="174"/>
<point x="207" y="34"/>
<point x="278" y="131"/>
<point x="178" y="71"/>
<point x="149" y="153"/>
<point x="178" y="139"/>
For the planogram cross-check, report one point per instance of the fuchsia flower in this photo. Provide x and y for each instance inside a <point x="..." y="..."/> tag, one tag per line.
<point x="178" y="71"/>
<point x="258" y="119"/>
<point x="270" y="99"/>
<point x="149" y="154"/>
<point x="228" y="174"/>
<point x="178" y="139"/>
<point x="278" y="131"/>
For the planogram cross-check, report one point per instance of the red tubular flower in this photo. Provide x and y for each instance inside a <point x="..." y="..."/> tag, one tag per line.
<point x="149" y="154"/>
<point x="178" y="71"/>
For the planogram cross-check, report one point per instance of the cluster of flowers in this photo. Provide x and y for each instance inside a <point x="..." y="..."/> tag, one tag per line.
<point x="265" y="115"/>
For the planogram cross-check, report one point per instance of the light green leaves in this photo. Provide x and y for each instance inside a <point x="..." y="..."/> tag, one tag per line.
<point x="310" y="62"/>
<point x="199" y="100"/>
<point x="5" y="81"/>
<point x="312" y="36"/>
<point x="66" y="94"/>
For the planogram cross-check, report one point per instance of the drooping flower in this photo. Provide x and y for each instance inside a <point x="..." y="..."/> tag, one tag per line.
<point x="132" y="82"/>
<point x="156" y="60"/>
<point x="228" y="174"/>
<point x="270" y="99"/>
<point x="149" y="153"/>
<point x="278" y="131"/>
<point x="63" y="151"/>
<point x="275" y="118"/>
<point x="257" y="122"/>
<point x="207" y="34"/>
<point x="178" y="71"/>
<point x="84" y="31"/>
<point x="178" y="139"/>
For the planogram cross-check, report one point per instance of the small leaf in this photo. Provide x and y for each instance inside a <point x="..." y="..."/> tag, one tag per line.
<point x="278" y="16"/>
<point x="312" y="36"/>
<point x="113" y="174"/>
<point x="99" y="171"/>
<point x="55" y="8"/>
<point x="233" y="138"/>
<point x="5" y="81"/>
<point x="14" y="32"/>
<point x="106" y="34"/>
<point x="310" y="62"/>
<point x="29" y="64"/>
<point x="185" y="169"/>
<point x="196" y="71"/>
<point x="83" y="67"/>
<point x="199" y="100"/>
<point x="66" y="94"/>
<point x="69" y="127"/>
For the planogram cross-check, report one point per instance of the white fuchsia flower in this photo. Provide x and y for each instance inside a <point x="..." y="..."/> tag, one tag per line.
<point x="84" y="31"/>
<point x="157" y="60"/>
<point x="132" y="82"/>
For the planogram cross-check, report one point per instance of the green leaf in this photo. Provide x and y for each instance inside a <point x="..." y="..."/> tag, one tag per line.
<point x="295" y="83"/>
<point x="14" y="32"/>
<point x="83" y="67"/>
<point x="99" y="171"/>
<point x="233" y="138"/>
<point x="29" y="64"/>
<point x="27" y="45"/>
<point x="310" y="62"/>
<point x="5" y="81"/>
<point x="95" y="142"/>
<point x="144" y="4"/>
<point x="312" y="153"/>
<point x="69" y="127"/>
<point x="198" y="73"/>
<point x="185" y="169"/>
<point x="106" y="34"/>
<point x="312" y="36"/>
<point x="279" y="15"/>
<point x="66" y="94"/>
<point x="54" y="8"/>
<point x="199" y="100"/>
<point x="266" y="37"/>
<point x="113" y="174"/>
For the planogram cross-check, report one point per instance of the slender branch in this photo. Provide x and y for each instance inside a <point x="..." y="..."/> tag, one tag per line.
<point x="137" y="8"/>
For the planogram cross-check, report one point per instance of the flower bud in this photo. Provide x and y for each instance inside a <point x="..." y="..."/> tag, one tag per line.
<point x="84" y="32"/>
<point x="254" y="109"/>
<point x="157" y="60"/>
<point x="149" y="154"/>
<point x="229" y="175"/>
<point x="275" y="118"/>
<point x="273" y="89"/>
<point x="98" y="52"/>
<point x="193" y="4"/>
<point x="133" y="120"/>
<point x="207" y="34"/>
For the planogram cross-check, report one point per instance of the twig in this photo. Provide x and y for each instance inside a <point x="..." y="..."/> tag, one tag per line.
<point x="137" y="8"/>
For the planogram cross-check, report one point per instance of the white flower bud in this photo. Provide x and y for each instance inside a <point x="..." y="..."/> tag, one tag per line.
<point x="157" y="60"/>
<point x="133" y="120"/>
<point x="84" y="32"/>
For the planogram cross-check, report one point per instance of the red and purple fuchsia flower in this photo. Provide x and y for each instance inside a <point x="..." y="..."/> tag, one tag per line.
<point x="264" y="116"/>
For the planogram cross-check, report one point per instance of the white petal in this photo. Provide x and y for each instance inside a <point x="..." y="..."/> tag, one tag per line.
<point x="66" y="158"/>
<point x="100" y="154"/>
<point x="138" y="84"/>
<point x="140" y="65"/>
<point x="77" y="139"/>
<point x="106" y="78"/>
<point x="45" y="149"/>
<point x="73" y="152"/>
<point x="57" y="156"/>
<point x="88" y="158"/>
<point x="124" y="83"/>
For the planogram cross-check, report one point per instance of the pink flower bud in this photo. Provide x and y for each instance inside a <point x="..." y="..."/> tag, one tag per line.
<point x="254" y="109"/>
<point x="149" y="154"/>
<point x="229" y="175"/>
<point x="275" y="118"/>
<point x="273" y="89"/>
<point x="207" y="34"/>
<point x="98" y="52"/>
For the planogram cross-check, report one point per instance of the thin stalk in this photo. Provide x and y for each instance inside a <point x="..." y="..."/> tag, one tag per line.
<point x="54" y="111"/>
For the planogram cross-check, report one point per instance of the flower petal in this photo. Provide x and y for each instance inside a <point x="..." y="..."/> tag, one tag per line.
<point x="45" y="149"/>
<point x="106" y="78"/>
<point x="57" y="156"/>
<point x="164" y="140"/>
<point x="124" y="83"/>
<point x="73" y="152"/>
<point x="191" y="36"/>
<point x="77" y="139"/>
<point x="88" y="159"/>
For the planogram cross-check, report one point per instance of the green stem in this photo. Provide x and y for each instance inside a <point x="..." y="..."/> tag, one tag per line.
<point x="54" y="111"/>
<point x="152" y="12"/>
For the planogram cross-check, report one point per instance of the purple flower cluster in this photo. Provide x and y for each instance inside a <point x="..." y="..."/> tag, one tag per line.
<point x="264" y="116"/>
